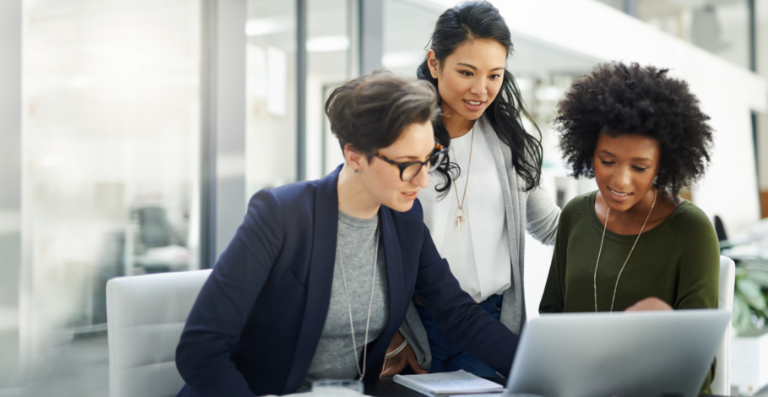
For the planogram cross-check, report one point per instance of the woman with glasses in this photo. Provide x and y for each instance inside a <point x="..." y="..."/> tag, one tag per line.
<point x="479" y="206"/>
<point x="319" y="276"/>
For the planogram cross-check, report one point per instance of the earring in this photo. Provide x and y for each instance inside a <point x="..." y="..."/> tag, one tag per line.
<point x="357" y="171"/>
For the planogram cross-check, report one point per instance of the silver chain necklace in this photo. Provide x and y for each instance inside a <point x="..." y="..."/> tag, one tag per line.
<point x="630" y="251"/>
<point x="370" y="303"/>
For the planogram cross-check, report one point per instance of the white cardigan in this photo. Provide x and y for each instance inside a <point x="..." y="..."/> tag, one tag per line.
<point x="533" y="211"/>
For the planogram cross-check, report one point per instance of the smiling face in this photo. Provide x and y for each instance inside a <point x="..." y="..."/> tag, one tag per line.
<point x="625" y="167"/>
<point x="382" y="180"/>
<point x="469" y="79"/>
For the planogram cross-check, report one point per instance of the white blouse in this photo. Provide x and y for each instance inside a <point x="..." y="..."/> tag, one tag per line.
<point x="478" y="254"/>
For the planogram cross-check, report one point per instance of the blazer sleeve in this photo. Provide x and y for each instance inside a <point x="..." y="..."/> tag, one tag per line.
<point x="221" y="309"/>
<point x="458" y="316"/>
<point x="542" y="216"/>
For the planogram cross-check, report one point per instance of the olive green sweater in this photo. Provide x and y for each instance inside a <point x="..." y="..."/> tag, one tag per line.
<point x="678" y="261"/>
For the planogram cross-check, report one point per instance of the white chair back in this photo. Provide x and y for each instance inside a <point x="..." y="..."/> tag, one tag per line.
<point x="145" y="317"/>
<point x="721" y="385"/>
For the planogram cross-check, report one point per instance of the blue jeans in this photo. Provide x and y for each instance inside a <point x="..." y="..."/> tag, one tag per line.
<point x="447" y="357"/>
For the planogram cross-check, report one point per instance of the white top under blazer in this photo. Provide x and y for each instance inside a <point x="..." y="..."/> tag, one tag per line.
<point x="478" y="253"/>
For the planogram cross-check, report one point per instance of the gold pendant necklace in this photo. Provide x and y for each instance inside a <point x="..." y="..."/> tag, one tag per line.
<point x="630" y="251"/>
<point x="460" y="210"/>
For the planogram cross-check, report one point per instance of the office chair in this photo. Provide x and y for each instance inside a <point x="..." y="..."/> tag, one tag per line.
<point x="721" y="384"/>
<point x="145" y="317"/>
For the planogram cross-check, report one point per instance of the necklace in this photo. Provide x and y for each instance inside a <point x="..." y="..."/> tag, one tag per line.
<point x="630" y="251"/>
<point x="460" y="210"/>
<point x="360" y="372"/>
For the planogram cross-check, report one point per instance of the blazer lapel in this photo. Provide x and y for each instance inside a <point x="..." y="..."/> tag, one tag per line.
<point x="396" y="294"/>
<point x="322" y="260"/>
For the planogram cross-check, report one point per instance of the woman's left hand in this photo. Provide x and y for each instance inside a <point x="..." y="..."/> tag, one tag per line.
<point x="395" y="364"/>
<point x="649" y="304"/>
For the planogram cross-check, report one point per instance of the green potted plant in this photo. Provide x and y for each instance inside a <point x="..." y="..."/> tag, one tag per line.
<point x="749" y="349"/>
<point x="750" y="300"/>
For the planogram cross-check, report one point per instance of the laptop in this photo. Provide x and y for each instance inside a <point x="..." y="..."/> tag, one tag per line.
<point x="628" y="354"/>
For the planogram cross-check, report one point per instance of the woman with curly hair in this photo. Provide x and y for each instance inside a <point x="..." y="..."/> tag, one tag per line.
<point x="633" y="244"/>
<point x="478" y="206"/>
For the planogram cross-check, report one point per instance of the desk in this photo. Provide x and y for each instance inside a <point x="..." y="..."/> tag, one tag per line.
<point x="386" y="387"/>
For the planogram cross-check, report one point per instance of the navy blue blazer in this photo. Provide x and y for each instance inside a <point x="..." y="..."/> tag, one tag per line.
<point x="255" y="326"/>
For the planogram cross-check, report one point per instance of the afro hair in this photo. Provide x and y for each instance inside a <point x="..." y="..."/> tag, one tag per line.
<point x="618" y="99"/>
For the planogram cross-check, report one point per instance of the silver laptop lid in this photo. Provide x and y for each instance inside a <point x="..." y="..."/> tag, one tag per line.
<point x="617" y="354"/>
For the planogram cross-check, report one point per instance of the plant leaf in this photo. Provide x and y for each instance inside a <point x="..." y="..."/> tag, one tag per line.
<point x="757" y="274"/>
<point x="752" y="293"/>
<point x="742" y="319"/>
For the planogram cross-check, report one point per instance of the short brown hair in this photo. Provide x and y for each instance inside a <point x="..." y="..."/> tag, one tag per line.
<point x="371" y="111"/>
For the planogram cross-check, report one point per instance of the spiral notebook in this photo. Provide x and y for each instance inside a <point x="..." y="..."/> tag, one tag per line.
<point x="448" y="383"/>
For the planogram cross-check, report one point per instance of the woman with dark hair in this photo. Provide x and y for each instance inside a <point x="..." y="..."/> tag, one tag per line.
<point x="479" y="206"/>
<point x="319" y="276"/>
<point x="633" y="244"/>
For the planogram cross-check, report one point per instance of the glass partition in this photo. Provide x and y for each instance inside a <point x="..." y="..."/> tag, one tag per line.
<point x="271" y="75"/>
<point x="110" y="159"/>
<point x="270" y="94"/>
<point x="331" y="53"/>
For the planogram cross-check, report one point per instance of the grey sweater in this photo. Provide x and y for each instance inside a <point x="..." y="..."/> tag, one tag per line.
<point x="335" y="357"/>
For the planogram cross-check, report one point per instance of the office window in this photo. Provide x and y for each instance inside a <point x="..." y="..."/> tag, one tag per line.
<point x="271" y="78"/>
<point x="331" y="53"/>
<point x="408" y="26"/>
<point x="110" y="159"/>
<point x="270" y="94"/>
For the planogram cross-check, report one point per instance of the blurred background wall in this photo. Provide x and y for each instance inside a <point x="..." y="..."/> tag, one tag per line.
<point x="134" y="132"/>
<point x="10" y="193"/>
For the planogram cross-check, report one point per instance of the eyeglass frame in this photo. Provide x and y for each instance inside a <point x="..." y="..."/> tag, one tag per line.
<point x="439" y="149"/>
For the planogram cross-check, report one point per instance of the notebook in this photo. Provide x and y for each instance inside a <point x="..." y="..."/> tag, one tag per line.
<point x="448" y="383"/>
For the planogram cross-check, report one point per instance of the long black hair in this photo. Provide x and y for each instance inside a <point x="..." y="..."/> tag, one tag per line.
<point x="481" y="20"/>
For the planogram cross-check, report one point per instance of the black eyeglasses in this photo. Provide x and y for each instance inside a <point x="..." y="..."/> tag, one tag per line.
<point x="410" y="169"/>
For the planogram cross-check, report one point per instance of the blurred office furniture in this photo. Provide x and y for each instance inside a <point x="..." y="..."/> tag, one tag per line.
<point x="146" y="315"/>
<point x="720" y="228"/>
<point x="722" y="383"/>
<point x="152" y="244"/>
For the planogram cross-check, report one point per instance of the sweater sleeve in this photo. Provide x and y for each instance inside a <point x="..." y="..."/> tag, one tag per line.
<point x="553" y="298"/>
<point x="698" y="270"/>
<point x="542" y="216"/>
<point x="221" y="309"/>
<point x="414" y="332"/>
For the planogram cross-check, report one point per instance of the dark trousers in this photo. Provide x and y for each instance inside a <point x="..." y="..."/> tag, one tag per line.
<point x="447" y="357"/>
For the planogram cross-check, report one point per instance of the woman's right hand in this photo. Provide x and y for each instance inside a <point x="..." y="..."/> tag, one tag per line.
<point x="395" y="364"/>
<point x="649" y="304"/>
